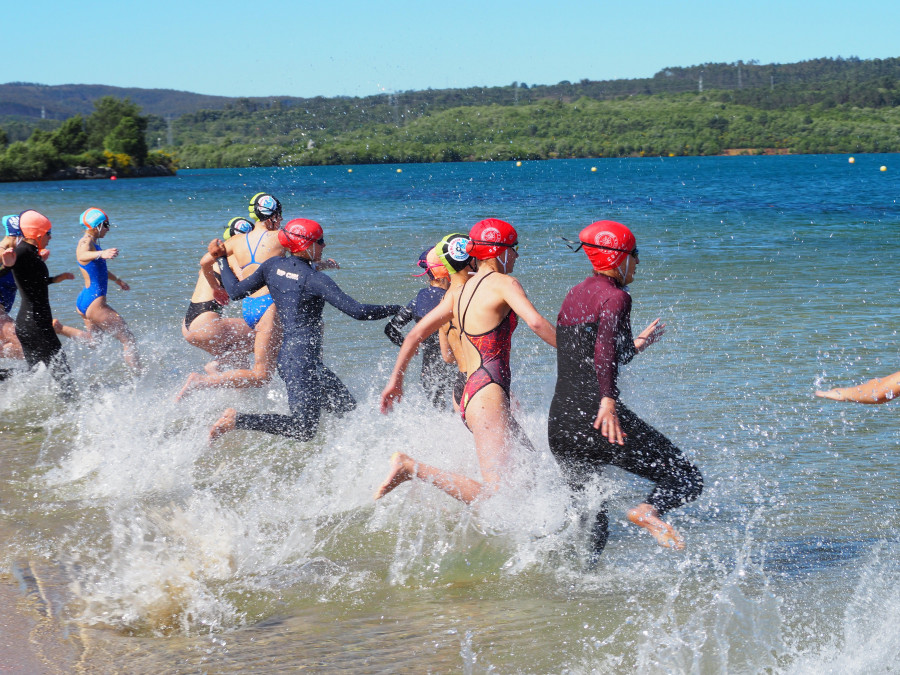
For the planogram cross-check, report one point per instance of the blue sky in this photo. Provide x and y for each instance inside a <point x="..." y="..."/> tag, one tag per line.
<point x="357" y="48"/>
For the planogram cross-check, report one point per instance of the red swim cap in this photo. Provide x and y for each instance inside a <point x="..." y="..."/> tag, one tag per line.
<point x="34" y="224"/>
<point x="490" y="237"/>
<point x="299" y="234"/>
<point x="607" y="243"/>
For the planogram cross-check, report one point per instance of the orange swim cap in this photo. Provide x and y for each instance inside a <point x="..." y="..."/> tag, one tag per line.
<point x="33" y="224"/>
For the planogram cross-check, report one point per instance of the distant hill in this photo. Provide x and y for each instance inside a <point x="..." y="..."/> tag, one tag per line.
<point x="25" y="101"/>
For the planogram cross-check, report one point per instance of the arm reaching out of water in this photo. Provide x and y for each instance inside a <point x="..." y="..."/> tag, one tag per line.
<point x="879" y="390"/>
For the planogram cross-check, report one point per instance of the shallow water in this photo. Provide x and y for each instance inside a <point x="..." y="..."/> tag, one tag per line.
<point x="143" y="549"/>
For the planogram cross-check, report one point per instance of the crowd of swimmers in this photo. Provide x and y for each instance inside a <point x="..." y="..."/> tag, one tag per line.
<point x="463" y="320"/>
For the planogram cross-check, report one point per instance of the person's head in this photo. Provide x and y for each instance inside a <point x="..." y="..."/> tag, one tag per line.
<point x="303" y="238"/>
<point x="35" y="227"/>
<point x="433" y="267"/>
<point x="451" y="251"/>
<point x="239" y="225"/>
<point x="264" y="207"/>
<point x="11" y="226"/>
<point x="611" y="249"/>
<point x="493" y="238"/>
<point x="95" y="221"/>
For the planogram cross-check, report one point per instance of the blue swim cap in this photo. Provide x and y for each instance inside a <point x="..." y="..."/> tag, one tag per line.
<point x="93" y="217"/>
<point x="11" y="225"/>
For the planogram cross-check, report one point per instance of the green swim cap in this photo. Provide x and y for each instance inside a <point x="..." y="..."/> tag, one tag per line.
<point x="451" y="250"/>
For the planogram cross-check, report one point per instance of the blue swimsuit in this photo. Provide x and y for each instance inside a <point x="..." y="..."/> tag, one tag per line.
<point x="96" y="270"/>
<point x="254" y="308"/>
<point x="7" y="292"/>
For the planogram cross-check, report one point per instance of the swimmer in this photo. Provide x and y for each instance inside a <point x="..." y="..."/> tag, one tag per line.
<point x="486" y="309"/>
<point x="879" y="390"/>
<point x="228" y="341"/>
<point x="248" y="250"/>
<point x="436" y="377"/>
<point x="91" y="304"/>
<point x="589" y="427"/>
<point x="299" y="293"/>
<point x="34" y="323"/>
<point x="451" y="251"/>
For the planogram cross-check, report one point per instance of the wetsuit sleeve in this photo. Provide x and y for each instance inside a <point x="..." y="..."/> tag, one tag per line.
<point x="326" y="288"/>
<point x="613" y="329"/>
<point x="240" y="289"/>
<point x="401" y="318"/>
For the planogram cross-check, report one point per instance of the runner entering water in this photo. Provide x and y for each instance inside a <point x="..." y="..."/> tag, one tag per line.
<point x="299" y="293"/>
<point x="588" y="426"/>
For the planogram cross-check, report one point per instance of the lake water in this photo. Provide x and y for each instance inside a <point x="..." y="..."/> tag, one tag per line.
<point x="142" y="549"/>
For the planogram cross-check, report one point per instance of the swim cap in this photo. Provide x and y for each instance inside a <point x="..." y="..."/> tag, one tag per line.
<point x="451" y="251"/>
<point x="607" y="244"/>
<point x="239" y="225"/>
<point x="490" y="237"/>
<point x="263" y="206"/>
<point x="93" y="217"/>
<point x="433" y="267"/>
<point x="33" y="224"/>
<point x="299" y="234"/>
<point x="11" y="225"/>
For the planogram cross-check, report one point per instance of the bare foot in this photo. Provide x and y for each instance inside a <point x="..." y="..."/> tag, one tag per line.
<point x="211" y="368"/>
<point x="399" y="473"/>
<point x="644" y="515"/>
<point x="223" y="425"/>
<point x="193" y="382"/>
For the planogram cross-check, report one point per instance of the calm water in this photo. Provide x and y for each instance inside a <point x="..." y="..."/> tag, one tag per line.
<point x="146" y="550"/>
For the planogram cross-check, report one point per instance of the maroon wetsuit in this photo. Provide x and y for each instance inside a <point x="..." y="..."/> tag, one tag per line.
<point x="593" y="336"/>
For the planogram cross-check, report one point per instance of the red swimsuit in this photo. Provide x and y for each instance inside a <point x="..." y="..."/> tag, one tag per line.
<point x="493" y="347"/>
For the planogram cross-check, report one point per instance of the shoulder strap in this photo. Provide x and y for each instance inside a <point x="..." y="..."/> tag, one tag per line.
<point x="462" y="317"/>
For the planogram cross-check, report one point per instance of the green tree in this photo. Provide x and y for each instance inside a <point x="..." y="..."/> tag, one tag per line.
<point x="108" y="112"/>
<point x="70" y="138"/>
<point x="127" y="138"/>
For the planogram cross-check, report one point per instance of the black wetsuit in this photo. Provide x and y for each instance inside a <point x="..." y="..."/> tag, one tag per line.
<point x="300" y="293"/>
<point x="437" y="374"/>
<point x="34" y="322"/>
<point x="593" y="335"/>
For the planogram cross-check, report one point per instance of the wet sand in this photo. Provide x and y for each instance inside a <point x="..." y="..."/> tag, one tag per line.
<point x="17" y="653"/>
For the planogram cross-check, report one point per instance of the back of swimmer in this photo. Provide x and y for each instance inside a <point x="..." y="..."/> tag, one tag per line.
<point x="437" y="376"/>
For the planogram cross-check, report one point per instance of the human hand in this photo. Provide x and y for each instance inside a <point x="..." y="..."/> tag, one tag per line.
<point x="8" y="257"/>
<point x="330" y="264"/>
<point x="220" y="295"/>
<point x="123" y="285"/>
<point x="392" y="393"/>
<point x="607" y="421"/>
<point x="109" y="253"/>
<point x="65" y="276"/>
<point x="649" y="335"/>
<point x="216" y="248"/>
<point x="833" y="394"/>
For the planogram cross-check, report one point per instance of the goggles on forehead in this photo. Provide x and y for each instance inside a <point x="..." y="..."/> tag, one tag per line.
<point x="570" y="244"/>
<point x="514" y="246"/>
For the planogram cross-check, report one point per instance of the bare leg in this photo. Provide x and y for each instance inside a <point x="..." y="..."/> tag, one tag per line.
<point x="104" y="318"/>
<point x="223" y="425"/>
<point x="265" y="351"/>
<point x="644" y="515"/>
<point x="70" y="332"/>
<point x="404" y="468"/>
<point x="229" y="341"/>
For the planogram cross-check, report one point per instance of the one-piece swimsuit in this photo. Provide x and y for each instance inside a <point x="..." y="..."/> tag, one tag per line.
<point x="253" y="309"/>
<point x="493" y="348"/>
<point x="99" y="281"/>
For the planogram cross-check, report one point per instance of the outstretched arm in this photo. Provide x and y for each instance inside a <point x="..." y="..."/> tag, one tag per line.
<point x="430" y="323"/>
<point x="649" y="335"/>
<point x="879" y="390"/>
<point x="514" y="296"/>
<point x="241" y="289"/>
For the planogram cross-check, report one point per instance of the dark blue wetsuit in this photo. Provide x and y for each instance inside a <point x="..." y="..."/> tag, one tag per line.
<point x="300" y="293"/>
<point x="7" y="292"/>
<point x="437" y="375"/>
<point x="99" y="275"/>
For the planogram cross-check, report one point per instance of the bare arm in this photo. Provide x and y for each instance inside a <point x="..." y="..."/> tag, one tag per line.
<point x="514" y="296"/>
<point x="879" y="390"/>
<point x="86" y="253"/>
<point x="649" y="335"/>
<point x="427" y="326"/>
<point x="446" y="351"/>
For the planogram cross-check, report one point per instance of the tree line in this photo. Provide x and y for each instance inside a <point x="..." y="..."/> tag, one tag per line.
<point x="113" y="136"/>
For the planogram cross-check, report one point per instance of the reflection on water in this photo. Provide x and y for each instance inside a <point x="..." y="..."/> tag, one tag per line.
<point x="138" y="547"/>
